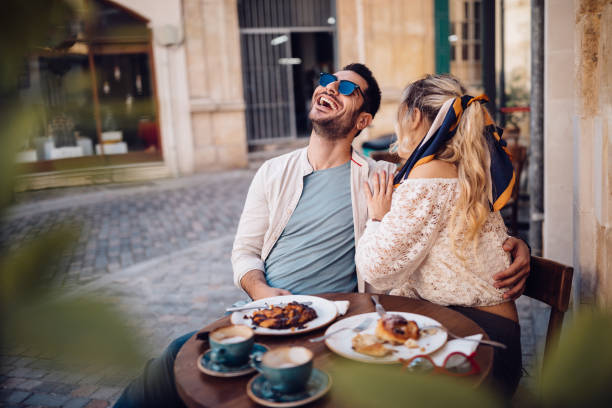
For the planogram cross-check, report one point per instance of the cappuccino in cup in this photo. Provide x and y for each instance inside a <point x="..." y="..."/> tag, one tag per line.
<point x="233" y="339"/>
<point x="287" y="369"/>
<point x="231" y="345"/>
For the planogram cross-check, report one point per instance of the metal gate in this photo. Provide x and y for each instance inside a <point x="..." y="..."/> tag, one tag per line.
<point x="268" y="88"/>
<point x="267" y="61"/>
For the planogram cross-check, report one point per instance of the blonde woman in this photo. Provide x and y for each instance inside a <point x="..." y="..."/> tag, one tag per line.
<point x="435" y="232"/>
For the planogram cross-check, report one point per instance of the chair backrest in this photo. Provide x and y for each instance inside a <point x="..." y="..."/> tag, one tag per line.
<point x="550" y="282"/>
<point x="386" y="156"/>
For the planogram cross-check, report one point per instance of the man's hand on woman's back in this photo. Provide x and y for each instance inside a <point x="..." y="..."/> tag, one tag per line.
<point x="515" y="276"/>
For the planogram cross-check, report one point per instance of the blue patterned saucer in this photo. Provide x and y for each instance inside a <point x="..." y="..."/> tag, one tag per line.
<point x="206" y="366"/>
<point x="260" y="391"/>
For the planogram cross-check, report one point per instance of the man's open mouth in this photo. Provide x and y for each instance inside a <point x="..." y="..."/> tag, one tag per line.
<point x="327" y="102"/>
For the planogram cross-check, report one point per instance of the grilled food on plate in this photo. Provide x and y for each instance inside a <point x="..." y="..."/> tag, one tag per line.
<point x="292" y="315"/>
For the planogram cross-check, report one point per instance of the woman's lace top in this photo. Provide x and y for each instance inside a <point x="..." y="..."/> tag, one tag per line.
<point x="409" y="252"/>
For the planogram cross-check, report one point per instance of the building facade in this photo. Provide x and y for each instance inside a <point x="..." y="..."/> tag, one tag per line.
<point x="222" y="76"/>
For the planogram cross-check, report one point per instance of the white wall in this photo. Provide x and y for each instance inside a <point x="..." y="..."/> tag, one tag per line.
<point x="559" y="119"/>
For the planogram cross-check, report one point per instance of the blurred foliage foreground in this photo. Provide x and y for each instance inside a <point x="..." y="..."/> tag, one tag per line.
<point x="36" y="313"/>
<point x="578" y="373"/>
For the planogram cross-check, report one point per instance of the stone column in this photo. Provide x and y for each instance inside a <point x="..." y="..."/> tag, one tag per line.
<point x="169" y="61"/>
<point x="594" y="117"/>
<point x="215" y="83"/>
<point x="578" y="161"/>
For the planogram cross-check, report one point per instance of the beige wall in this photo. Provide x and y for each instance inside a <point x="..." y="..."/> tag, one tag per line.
<point x="215" y="84"/>
<point x="395" y="38"/>
<point x="578" y="162"/>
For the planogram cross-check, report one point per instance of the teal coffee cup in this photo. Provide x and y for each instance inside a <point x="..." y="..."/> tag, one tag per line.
<point x="231" y="345"/>
<point x="287" y="369"/>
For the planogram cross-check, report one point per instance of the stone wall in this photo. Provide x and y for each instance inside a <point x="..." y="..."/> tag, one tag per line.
<point x="215" y="84"/>
<point x="578" y="161"/>
<point x="594" y="69"/>
<point x="395" y="38"/>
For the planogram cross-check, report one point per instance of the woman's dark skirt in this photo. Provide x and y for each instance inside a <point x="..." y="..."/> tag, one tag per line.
<point x="507" y="364"/>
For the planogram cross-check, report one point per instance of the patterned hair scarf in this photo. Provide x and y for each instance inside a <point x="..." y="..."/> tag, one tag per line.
<point x="444" y="127"/>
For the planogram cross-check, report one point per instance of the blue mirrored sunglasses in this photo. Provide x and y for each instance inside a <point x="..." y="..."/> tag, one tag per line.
<point x="344" y="87"/>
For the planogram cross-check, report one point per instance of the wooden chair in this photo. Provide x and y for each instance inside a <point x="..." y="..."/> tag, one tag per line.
<point x="386" y="156"/>
<point x="550" y="282"/>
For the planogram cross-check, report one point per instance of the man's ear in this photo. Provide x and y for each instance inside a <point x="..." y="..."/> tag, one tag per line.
<point x="364" y="120"/>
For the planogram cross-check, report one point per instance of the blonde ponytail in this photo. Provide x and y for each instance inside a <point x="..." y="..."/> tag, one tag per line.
<point x="469" y="152"/>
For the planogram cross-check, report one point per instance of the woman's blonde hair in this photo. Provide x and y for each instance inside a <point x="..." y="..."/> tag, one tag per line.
<point x="467" y="150"/>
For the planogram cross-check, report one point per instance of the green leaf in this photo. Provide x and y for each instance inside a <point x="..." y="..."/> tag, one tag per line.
<point x="579" y="371"/>
<point x="78" y="331"/>
<point x="371" y="385"/>
<point x="28" y="272"/>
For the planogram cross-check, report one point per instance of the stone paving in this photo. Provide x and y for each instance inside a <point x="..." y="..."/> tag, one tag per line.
<point x="161" y="250"/>
<point x="122" y="226"/>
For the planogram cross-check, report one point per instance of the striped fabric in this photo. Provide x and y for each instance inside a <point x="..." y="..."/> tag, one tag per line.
<point x="444" y="128"/>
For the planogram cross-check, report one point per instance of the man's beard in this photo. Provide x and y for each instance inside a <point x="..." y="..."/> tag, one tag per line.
<point x="334" y="128"/>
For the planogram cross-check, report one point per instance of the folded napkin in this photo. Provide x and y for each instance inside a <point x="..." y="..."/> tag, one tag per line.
<point x="342" y="306"/>
<point x="464" y="346"/>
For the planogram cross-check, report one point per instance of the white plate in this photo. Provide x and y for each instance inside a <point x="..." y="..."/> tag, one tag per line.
<point x="341" y="343"/>
<point x="326" y="313"/>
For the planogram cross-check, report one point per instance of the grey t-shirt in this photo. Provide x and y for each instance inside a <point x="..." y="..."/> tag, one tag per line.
<point x="316" y="251"/>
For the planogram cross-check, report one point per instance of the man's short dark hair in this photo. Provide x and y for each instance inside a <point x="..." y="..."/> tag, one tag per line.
<point x="372" y="94"/>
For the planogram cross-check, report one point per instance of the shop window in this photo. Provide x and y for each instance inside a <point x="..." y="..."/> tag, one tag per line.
<point x="95" y="94"/>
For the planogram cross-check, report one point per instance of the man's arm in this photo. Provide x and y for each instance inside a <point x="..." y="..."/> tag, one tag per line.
<point x="515" y="276"/>
<point x="247" y="264"/>
<point x="252" y="227"/>
<point x="254" y="283"/>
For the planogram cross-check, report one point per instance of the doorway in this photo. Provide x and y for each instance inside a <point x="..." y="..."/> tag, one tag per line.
<point x="285" y="45"/>
<point x="317" y="54"/>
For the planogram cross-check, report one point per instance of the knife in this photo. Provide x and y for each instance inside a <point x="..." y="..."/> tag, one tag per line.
<point x="379" y="309"/>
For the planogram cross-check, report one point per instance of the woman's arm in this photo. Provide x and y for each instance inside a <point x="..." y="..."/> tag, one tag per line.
<point x="390" y="250"/>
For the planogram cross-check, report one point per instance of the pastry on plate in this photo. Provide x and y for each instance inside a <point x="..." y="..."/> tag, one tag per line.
<point x="395" y="329"/>
<point x="370" y="345"/>
<point x="411" y="344"/>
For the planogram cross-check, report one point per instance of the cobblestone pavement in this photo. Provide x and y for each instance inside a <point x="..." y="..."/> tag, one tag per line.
<point x="122" y="226"/>
<point x="162" y="251"/>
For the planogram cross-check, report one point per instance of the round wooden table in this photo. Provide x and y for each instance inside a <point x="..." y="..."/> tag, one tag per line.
<point x="200" y="390"/>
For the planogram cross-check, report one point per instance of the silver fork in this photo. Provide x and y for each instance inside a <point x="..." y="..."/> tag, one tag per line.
<point x="359" y="328"/>
<point x="453" y="335"/>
